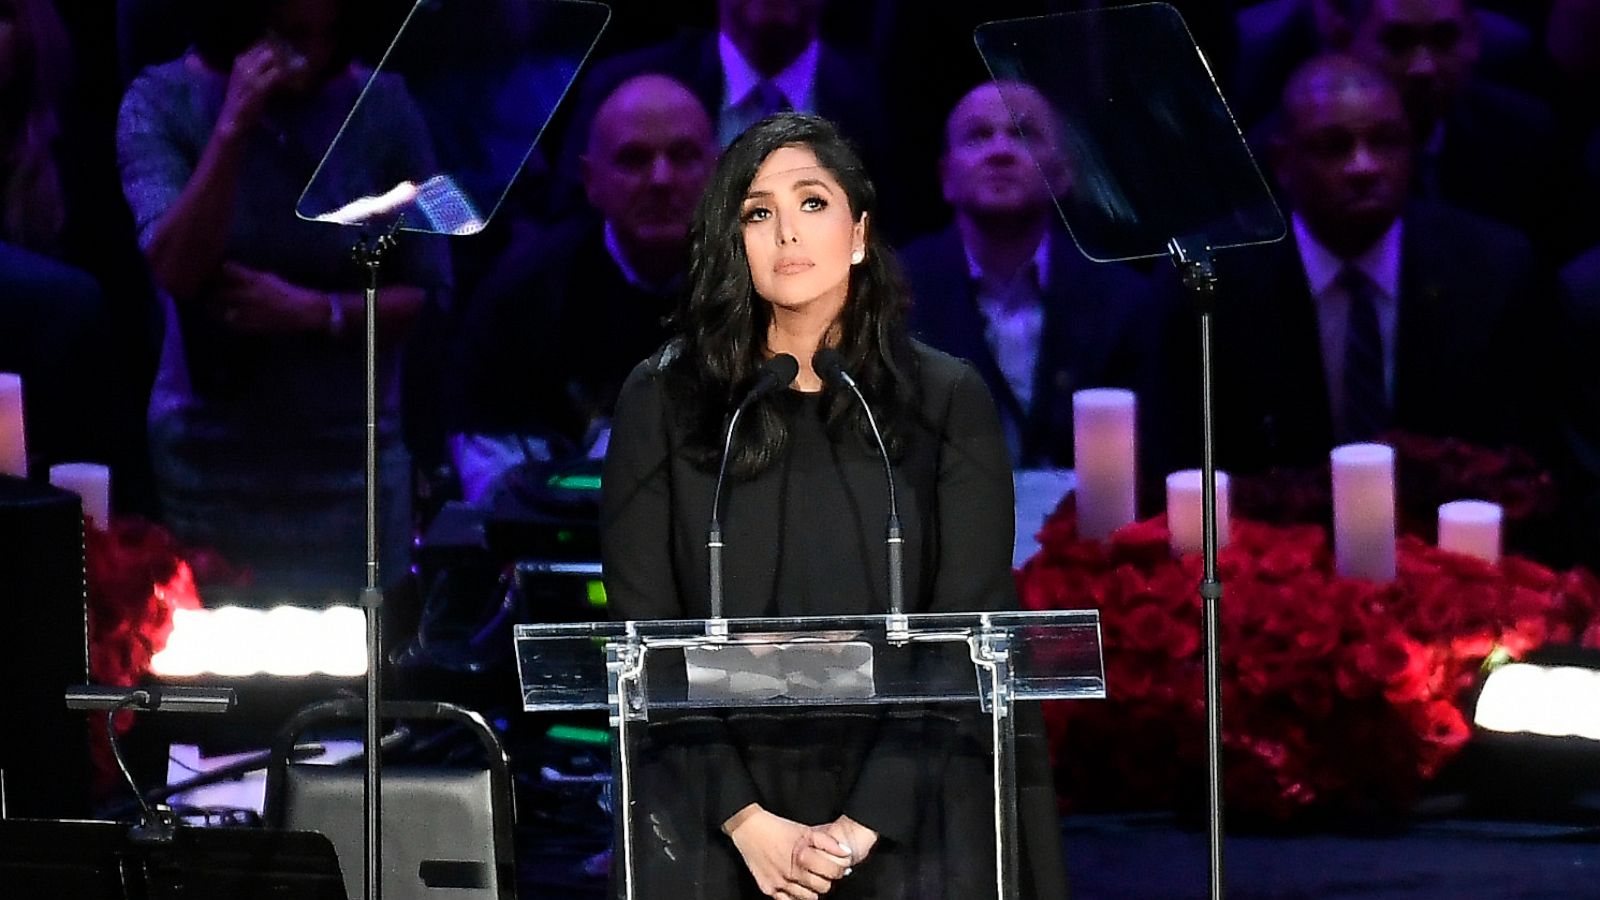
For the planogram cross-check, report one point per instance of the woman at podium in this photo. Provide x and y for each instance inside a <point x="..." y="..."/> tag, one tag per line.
<point x="845" y="802"/>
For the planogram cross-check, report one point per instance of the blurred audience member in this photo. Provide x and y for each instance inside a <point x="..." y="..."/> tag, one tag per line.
<point x="1379" y="313"/>
<point x="1580" y="330"/>
<point x="1276" y="36"/>
<point x="54" y="321"/>
<point x="1481" y="147"/>
<point x="35" y="65"/>
<point x="765" y="56"/>
<point x="1572" y="38"/>
<point x="568" y="313"/>
<point x="257" y="415"/>
<point x="1006" y="288"/>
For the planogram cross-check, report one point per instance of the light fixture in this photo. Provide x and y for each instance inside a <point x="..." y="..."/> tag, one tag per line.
<point x="286" y="641"/>
<point x="1554" y="692"/>
<point x="1549" y="700"/>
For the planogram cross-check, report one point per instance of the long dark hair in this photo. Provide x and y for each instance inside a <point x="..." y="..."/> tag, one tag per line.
<point x="723" y="321"/>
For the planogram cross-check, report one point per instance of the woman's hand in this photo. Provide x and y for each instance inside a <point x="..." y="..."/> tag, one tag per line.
<point x="256" y="302"/>
<point x="857" y="839"/>
<point x="787" y="859"/>
<point x="257" y="74"/>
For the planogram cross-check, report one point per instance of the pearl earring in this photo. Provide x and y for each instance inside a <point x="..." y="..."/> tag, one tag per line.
<point x="857" y="257"/>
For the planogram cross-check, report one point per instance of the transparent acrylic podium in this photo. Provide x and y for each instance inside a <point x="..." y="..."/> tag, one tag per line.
<point x="987" y="661"/>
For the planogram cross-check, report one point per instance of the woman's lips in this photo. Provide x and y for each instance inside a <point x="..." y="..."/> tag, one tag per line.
<point x="792" y="266"/>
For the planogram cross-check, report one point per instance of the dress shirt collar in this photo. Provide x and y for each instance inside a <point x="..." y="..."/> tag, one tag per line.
<point x="1041" y="262"/>
<point x="629" y="273"/>
<point x="740" y="78"/>
<point x="1380" y="262"/>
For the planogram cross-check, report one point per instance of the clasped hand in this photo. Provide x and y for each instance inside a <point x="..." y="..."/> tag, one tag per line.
<point x="795" y="861"/>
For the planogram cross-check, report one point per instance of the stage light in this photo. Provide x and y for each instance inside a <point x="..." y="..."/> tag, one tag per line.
<point x="1549" y="700"/>
<point x="285" y="641"/>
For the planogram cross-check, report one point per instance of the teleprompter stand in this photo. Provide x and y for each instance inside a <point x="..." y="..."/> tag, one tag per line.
<point x="1147" y="161"/>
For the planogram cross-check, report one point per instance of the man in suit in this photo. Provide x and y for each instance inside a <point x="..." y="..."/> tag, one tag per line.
<point x="569" y="311"/>
<point x="1006" y="288"/>
<point x="766" y="56"/>
<point x="1378" y="313"/>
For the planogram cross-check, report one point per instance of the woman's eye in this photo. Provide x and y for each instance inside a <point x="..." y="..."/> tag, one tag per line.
<point x="811" y="204"/>
<point x="755" y="214"/>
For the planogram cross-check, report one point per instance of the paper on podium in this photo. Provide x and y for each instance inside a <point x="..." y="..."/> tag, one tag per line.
<point x="798" y="670"/>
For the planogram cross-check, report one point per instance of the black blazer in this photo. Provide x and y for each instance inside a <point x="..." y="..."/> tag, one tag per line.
<point x="1101" y="329"/>
<point x="1472" y="359"/>
<point x="954" y="486"/>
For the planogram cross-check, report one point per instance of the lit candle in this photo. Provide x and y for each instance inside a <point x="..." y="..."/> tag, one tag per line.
<point x="1103" y="447"/>
<point x="1184" y="511"/>
<point x="92" y="483"/>
<point x="1363" y="511"/>
<point x="13" y="443"/>
<point x="1471" y="527"/>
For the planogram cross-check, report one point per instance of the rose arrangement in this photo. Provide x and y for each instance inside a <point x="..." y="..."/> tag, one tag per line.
<point x="1431" y="471"/>
<point x="137" y="574"/>
<point x="1340" y="696"/>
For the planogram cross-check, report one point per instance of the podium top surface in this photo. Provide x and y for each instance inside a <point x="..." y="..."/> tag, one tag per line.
<point x="697" y="664"/>
<point x="798" y="627"/>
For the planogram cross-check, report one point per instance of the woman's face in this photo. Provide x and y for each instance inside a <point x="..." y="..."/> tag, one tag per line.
<point x="799" y="235"/>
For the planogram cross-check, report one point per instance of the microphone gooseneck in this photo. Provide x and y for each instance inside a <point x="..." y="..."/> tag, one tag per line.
<point x="829" y="363"/>
<point x="776" y="373"/>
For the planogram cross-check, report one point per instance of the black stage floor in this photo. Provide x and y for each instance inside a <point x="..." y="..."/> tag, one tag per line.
<point x="1139" y="857"/>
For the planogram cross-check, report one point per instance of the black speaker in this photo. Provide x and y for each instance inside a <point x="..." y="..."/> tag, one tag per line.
<point x="44" y="648"/>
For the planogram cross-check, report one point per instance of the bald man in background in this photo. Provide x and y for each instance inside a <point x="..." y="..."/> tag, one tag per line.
<point x="568" y="311"/>
<point x="1005" y="287"/>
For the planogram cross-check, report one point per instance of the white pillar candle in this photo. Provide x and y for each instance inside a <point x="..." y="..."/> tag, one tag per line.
<point x="92" y="483"/>
<point x="1471" y="527"/>
<point x="1104" y="454"/>
<point x="1184" y="518"/>
<point x="1363" y="511"/>
<point x="13" y="441"/>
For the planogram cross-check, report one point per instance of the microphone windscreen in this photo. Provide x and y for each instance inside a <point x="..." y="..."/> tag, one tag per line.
<point x="829" y="364"/>
<point x="782" y="368"/>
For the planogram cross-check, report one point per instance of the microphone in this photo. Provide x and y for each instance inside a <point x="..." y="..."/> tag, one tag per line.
<point x="829" y="363"/>
<point x="775" y="374"/>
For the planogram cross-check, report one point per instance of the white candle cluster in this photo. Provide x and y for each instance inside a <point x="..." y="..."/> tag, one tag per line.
<point x="1105" y="445"/>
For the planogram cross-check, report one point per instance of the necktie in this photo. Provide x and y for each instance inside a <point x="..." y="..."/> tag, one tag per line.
<point x="1366" y="397"/>
<point x="769" y="99"/>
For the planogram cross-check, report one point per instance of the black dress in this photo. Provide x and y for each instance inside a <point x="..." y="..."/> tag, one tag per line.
<point x="805" y="537"/>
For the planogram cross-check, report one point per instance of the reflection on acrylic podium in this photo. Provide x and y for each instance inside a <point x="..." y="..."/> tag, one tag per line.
<point x="974" y="668"/>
